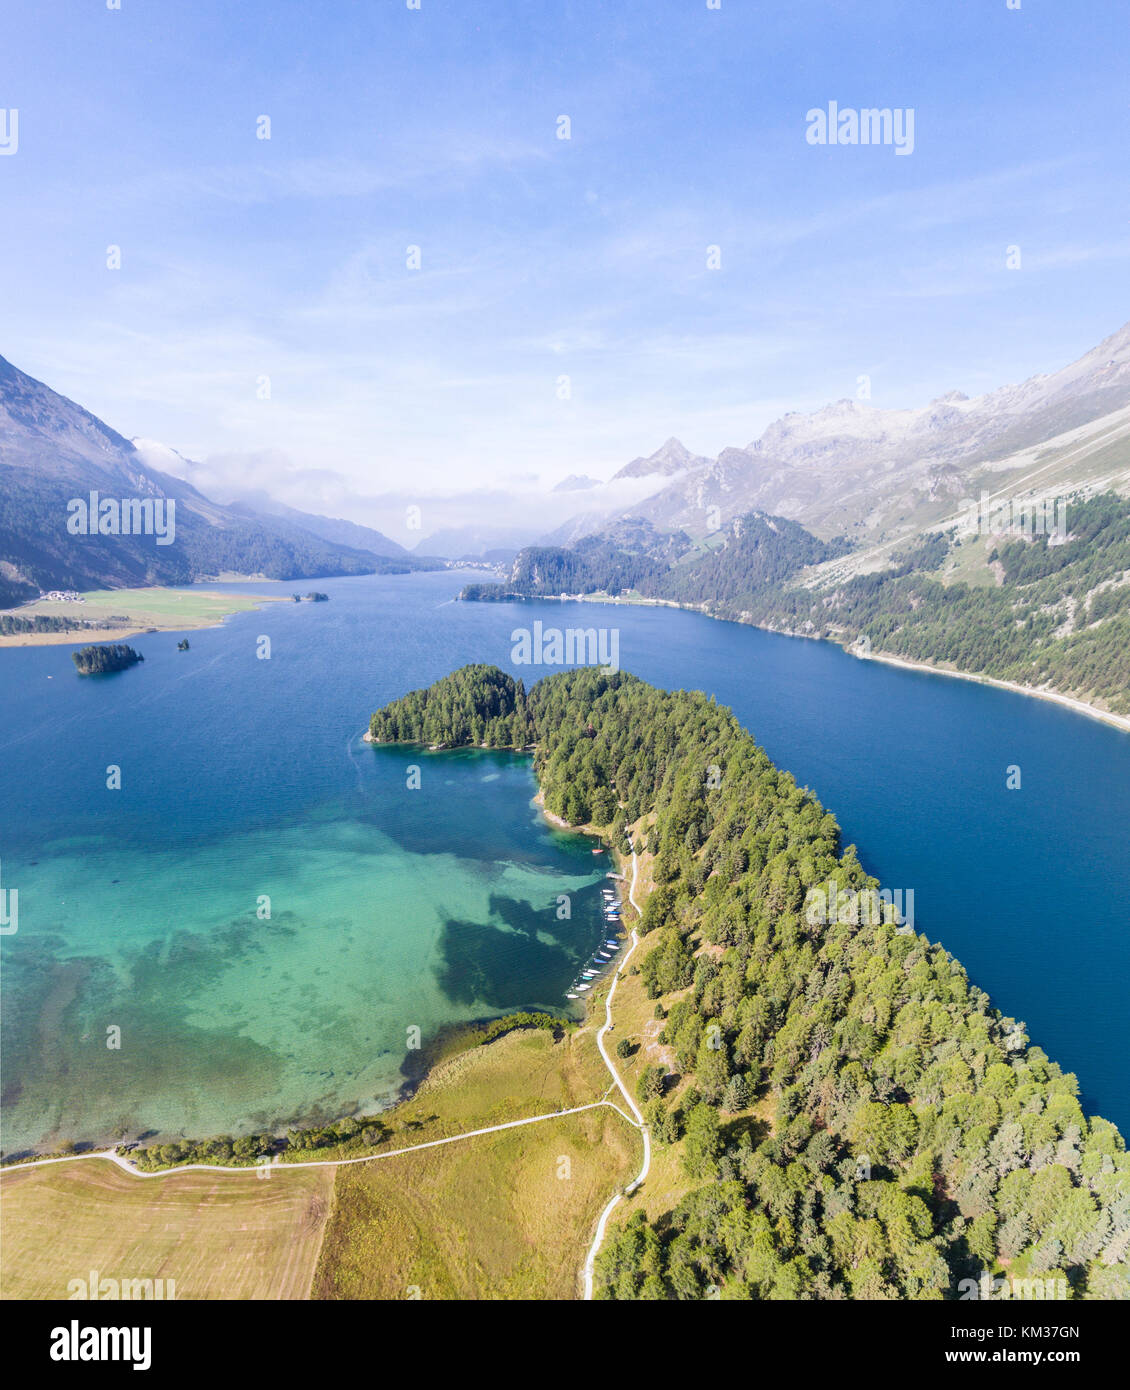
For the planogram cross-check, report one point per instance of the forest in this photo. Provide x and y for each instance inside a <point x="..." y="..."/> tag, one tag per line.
<point x="1059" y="615"/>
<point x="36" y="552"/>
<point x="753" y="550"/>
<point x="11" y="625"/>
<point x="475" y="705"/>
<point x="95" y="661"/>
<point x="853" y="1118"/>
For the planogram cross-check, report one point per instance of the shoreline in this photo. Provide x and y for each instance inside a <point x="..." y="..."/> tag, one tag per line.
<point x="451" y="1040"/>
<point x="1071" y="702"/>
<point x="160" y="622"/>
<point x="556" y="821"/>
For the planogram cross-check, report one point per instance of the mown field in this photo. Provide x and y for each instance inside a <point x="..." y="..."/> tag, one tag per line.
<point x="506" y="1215"/>
<point x="167" y="610"/>
<point x="502" y="1216"/>
<point x="226" y="1236"/>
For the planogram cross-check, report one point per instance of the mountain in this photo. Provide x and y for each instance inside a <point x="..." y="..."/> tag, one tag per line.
<point x="908" y="533"/>
<point x="673" y="457"/>
<point x="631" y="555"/>
<point x="576" y="482"/>
<point x="853" y="469"/>
<point x="460" y="542"/>
<point x="53" y="452"/>
<point x="333" y="529"/>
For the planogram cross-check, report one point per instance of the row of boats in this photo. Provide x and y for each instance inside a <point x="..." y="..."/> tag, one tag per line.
<point x="605" y="953"/>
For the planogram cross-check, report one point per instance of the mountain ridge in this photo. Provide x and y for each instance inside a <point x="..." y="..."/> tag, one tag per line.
<point x="53" y="450"/>
<point x="857" y="469"/>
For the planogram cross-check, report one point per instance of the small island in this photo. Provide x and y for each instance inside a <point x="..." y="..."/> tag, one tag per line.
<point x="99" y="660"/>
<point x="312" y="597"/>
<point x="182" y="645"/>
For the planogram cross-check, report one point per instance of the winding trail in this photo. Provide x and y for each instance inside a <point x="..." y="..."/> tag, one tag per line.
<point x="602" y="1224"/>
<point x="258" y="1170"/>
<point x="264" y="1170"/>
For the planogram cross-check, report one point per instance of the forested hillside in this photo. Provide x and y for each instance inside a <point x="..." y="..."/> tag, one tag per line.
<point x="755" y="551"/>
<point x="37" y="552"/>
<point x="53" y="451"/>
<point x="1059" y="615"/>
<point x="752" y="551"/>
<point x="474" y="705"/>
<point x="1045" y="614"/>
<point x="905" y="1135"/>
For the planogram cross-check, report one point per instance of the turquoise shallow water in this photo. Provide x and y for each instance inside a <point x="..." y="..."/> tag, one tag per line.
<point x="394" y="909"/>
<point x="232" y="1021"/>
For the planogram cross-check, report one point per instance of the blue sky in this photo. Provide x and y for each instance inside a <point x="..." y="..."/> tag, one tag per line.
<point x="540" y="257"/>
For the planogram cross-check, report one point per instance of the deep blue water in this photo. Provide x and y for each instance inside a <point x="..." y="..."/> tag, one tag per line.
<point x="1028" y="888"/>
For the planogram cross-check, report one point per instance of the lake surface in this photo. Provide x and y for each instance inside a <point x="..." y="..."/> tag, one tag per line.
<point x="394" y="909"/>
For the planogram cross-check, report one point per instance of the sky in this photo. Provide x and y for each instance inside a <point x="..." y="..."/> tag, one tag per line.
<point x="564" y="316"/>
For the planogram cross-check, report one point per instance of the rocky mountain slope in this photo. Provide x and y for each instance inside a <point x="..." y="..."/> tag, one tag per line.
<point x="52" y="452"/>
<point x="853" y="469"/>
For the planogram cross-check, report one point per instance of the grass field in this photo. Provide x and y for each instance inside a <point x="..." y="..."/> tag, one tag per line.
<point x="167" y="610"/>
<point x="503" y="1216"/>
<point x="226" y="1236"/>
<point x="522" y="1073"/>
<point x="507" y="1215"/>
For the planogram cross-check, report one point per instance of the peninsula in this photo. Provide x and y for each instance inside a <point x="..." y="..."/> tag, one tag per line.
<point x="828" y="1088"/>
<point x="828" y="1108"/>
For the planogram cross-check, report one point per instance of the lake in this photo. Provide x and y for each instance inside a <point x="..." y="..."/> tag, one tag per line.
<point x="245" y="787"/>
